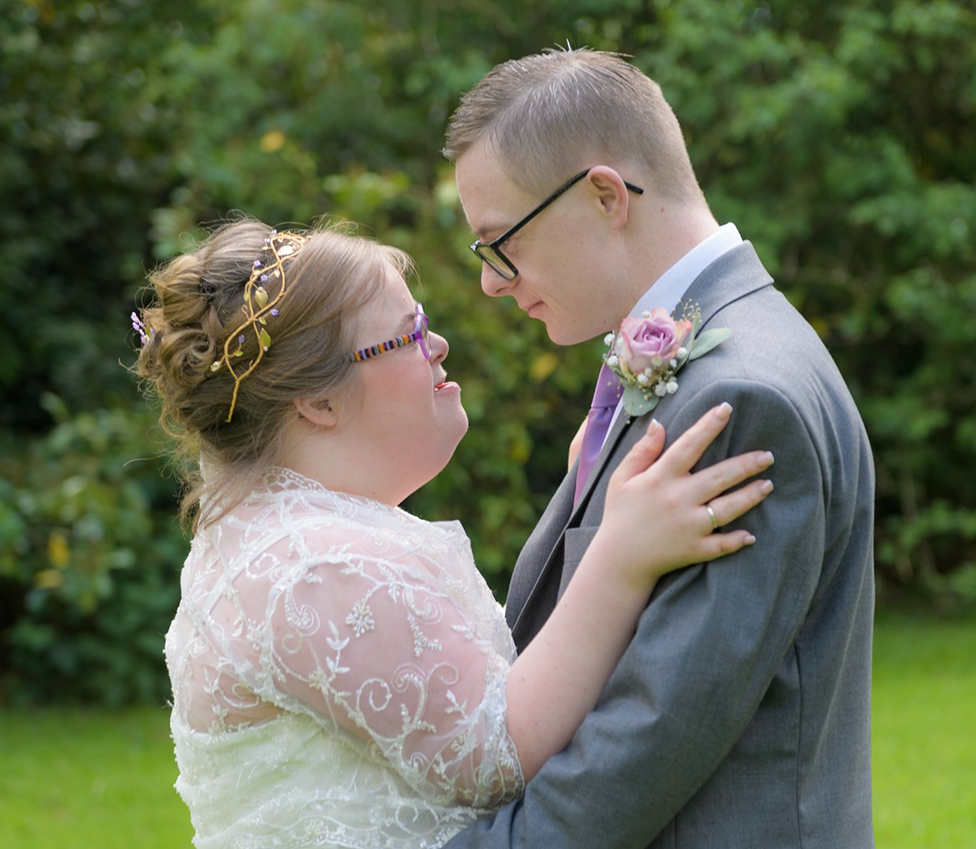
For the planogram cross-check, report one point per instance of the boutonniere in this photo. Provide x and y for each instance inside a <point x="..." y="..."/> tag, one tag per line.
<point x="647" y="353"/>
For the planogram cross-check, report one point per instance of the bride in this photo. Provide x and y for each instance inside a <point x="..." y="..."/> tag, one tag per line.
<point x="342" y="675"/>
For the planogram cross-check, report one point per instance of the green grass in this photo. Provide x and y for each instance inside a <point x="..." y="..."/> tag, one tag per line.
<point x="75" y="779"/>
<point x="925" y="733"/>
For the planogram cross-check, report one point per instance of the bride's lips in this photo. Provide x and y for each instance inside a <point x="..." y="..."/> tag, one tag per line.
<point x="448" y="385"/>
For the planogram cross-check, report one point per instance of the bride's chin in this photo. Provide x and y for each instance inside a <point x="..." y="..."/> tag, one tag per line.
<point x="462" y="429"/>
<point x="456" y="424"/>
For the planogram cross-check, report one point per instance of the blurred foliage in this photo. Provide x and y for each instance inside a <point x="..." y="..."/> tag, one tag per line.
<point x="839" y="136"/>
<point x="89" y="561"/>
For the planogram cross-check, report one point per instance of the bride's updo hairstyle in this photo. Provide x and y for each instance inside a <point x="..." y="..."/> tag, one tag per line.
<point x="236" y="331"/>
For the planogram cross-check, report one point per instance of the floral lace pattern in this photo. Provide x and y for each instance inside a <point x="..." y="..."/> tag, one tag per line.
<point x="338" y="671"/>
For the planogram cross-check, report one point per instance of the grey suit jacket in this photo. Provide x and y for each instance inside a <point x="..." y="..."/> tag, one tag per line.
<point x="739" y="717"/>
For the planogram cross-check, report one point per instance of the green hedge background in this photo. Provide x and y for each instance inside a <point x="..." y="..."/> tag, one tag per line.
<point x="839" y="135"/>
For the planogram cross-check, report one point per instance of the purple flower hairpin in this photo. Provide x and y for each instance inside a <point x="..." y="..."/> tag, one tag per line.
<point x="145" y="333"/>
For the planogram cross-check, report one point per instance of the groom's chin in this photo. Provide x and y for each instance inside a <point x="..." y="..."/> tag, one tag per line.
<point x="564" y="337"/>
<point x="561" y="336"/>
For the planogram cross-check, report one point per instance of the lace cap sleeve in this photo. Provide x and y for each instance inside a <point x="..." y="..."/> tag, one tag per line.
<point x="378" y="633"/>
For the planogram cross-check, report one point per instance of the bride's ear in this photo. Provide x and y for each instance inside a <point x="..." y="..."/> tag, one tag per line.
<point x="317" y="410"/>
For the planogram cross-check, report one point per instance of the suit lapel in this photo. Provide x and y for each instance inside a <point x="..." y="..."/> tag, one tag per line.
<point x="609" y="444"/>
<point x="734" y="275"/>
<point x="527" y="585"/>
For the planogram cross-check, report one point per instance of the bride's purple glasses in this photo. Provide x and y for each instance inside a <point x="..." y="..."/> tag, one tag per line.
<point x="419" y="335"/>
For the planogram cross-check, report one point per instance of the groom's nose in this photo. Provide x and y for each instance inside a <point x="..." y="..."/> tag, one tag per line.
<point x="492" y="283"/>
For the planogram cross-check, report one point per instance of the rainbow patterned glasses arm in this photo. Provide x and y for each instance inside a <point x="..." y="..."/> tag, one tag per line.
<point x="419" y="335"/>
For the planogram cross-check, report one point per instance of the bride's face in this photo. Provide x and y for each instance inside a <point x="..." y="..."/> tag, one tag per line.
<point x="409" y="414"/>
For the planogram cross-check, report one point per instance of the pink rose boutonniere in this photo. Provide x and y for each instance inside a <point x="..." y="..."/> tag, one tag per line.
<point x="646" y="353"/>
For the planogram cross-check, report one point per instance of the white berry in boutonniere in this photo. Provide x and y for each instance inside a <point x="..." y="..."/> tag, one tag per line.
<point x="646" y="353"/>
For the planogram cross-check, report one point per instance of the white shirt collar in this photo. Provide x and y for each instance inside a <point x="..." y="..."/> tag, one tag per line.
<point x="671" y="286"/>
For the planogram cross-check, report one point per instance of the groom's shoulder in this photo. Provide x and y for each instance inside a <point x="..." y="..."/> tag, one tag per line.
<point x="770" y="338"/>
<point x="772" y="343"/>
<point x="773" y="357"/>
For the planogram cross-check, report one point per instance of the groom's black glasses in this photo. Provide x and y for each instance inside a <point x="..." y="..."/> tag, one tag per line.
<point x="491" y="254"/>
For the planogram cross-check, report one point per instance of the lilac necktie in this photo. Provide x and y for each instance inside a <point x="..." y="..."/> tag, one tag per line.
<point x="605" y="397"/>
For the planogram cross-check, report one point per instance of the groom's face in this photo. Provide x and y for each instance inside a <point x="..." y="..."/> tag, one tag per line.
<point x="560" y="255"/>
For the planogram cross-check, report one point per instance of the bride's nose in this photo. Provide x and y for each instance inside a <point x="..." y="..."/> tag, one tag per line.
<point x="438" y="347"/>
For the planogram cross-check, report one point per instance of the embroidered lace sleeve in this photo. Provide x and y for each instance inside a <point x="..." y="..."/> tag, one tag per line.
<point x="383" y="635"/>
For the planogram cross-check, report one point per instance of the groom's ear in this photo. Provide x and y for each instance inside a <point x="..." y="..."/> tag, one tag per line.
<point x="317" y="410"/>
<point x="611" y="192"/>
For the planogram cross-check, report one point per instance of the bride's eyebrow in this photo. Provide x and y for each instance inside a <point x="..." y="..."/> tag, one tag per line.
<point x="406" y="323"/>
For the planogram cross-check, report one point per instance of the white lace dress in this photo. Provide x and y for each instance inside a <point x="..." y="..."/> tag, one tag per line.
<point x="338" y="671"/>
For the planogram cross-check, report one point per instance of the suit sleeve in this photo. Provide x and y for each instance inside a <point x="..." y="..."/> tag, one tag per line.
<point x="705" y="652"/>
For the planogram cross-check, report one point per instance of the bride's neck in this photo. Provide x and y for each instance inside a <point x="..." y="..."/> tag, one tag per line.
<point x="341" y="462"/>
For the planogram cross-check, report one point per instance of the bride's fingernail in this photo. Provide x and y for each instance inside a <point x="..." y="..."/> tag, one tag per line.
<point x="750" y="540"/>
<point x="653" y="427"/>
<point x="723" y="410"/>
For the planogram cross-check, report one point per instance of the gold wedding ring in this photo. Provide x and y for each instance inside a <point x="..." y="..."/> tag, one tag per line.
<point x="711" y="515"/>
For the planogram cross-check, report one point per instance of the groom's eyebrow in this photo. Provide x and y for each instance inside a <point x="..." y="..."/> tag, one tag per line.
<point x="490" y="231"/>
<point x="490" y="227"/>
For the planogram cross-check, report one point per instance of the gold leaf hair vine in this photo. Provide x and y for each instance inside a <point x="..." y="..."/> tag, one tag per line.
<point x="257" y="306"/>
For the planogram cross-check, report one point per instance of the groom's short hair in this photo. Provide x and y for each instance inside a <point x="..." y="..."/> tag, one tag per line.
<point x="544" y="113"/>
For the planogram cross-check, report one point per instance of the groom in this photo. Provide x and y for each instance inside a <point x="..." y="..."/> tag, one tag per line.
<point x="739" y="718"/>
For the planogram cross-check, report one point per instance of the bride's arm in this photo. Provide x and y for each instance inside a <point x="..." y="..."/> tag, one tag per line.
<point x="556" y="681"/>
<point x="377" y="637"/>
